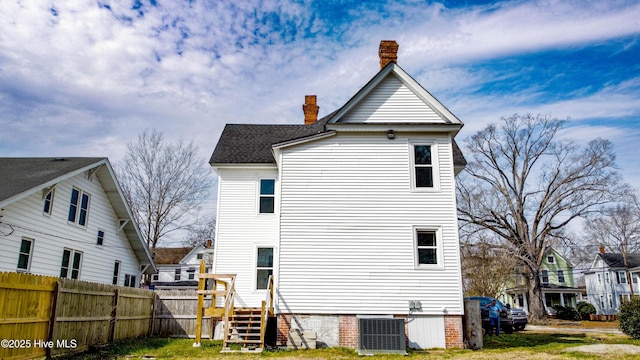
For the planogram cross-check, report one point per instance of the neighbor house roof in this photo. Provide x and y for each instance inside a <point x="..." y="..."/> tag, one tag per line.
<point x="616" y="260"/>
<point x="21" y="177"/>
<point x="170" y="256"/>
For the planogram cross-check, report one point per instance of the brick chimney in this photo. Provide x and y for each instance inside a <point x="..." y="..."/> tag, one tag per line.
<point x="601" y="249"/>
<point x="388" y="52"/>
<point x="310" y="109"/>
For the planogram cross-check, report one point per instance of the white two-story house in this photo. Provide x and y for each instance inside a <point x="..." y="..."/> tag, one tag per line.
<point x="68" y="217"/>
<point x="178" y="267"/>
<point x="354" y="214"/>
<point x="607" y="282"/>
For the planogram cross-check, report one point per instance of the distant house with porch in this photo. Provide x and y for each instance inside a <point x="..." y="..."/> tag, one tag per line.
<point x="556" y="280"/>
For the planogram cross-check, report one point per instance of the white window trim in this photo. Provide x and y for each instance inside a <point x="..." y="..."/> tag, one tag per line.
<point x="79" y="208"/>
<point x="542" y="276"/>
<point x="28" y="269"/>
<point x="51" y="191"/>
<point x="104" y="236"/>
<point x="255" y="265"/>
<point x="561" y="274"/>
<point x="434" y="165"/>
<point x="439" y="250"/>
<point x="275" y="196"/>
<point x="116" y="276"/>
<point x="72" y="255"/>
<point x="551" y="259"/>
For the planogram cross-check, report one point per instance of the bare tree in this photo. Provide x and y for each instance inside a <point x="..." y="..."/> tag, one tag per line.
<point x="200" y="233"/>
<point x="487" y="267"/>
<point x="617" y="228"/>
<point x="165" y="184"/>
<point x="525" y="185"/>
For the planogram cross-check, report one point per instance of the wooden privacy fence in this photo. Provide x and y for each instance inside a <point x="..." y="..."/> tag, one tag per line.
<point x="43" y="316"/>
<point x="175" y="314"/>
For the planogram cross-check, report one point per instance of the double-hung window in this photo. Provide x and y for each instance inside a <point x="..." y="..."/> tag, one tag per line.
<point x="71" y="261"/>
<point x="423" y="166"/>
<point x="622" y="277"/>
<point x="24" y="257"/>
<point x="264" y="267"/>
<point x="78" y="207"/>
<point x="100" y="240"/>
<point x="267" y="196"/>
<point x="545" y="276"/>
<point x="177" y="275"/>
<point x="428" y="252"/>
<point x="47" y="208"/>
<point x="560" y="276"/>
<point x="116" y="272"/>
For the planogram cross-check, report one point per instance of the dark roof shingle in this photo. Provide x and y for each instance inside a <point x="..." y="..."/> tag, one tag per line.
<point x="18" y="175"/>
<point x="616" y="260"/>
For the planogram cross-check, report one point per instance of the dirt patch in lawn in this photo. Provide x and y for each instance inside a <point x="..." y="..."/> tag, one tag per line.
<point x="605" y="349"/>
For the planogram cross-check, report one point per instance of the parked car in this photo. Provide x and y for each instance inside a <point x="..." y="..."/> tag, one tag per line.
<point x="510" y="318"/>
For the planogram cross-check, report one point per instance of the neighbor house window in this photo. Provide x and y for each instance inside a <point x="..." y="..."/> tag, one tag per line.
<point x="130" y="280"/>
<point x="634" y="278"/>
<point x="427" y="247"/>
<point x="602" y="301"/>
<point x="606" y="277"/>
<point x="610" y="300"/>
<point x="71" y="261"/>
<point x="264" y="267"/>
<point x="24" y="257"/>
<point x="599" y="279"/>
<point x="78" y="207"/>
<point x="191" y="273"/>
<point x="545" y="276"/>
<point x="267" y="196"/>
<point x="423" y="166"/>
<point x="199" y="256"/>
<point x="116" y="272"/>
<point x="621" y="277"/>
<point x="176" y="277"/>
<point x="560" y="276"/>
<point x="551" y="259"/>
<point x="100" y="239"/>
<point x="48" y="202"/>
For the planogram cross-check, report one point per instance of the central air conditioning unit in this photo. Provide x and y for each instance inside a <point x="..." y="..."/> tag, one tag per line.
<point x="382" y="336"/>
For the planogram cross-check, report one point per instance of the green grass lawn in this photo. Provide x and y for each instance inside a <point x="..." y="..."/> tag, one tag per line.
<point x="525" y="345"/>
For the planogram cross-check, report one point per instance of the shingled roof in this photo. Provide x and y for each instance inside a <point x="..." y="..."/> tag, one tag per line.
<point x="18" y="175"/>
<point x="251" y="144"/>
<point x="170" y="256"/>
<point x="616" y="261"/>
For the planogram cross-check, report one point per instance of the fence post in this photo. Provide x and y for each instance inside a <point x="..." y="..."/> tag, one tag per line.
<point x="53" y="317"/>
<point x="114" y="315"/>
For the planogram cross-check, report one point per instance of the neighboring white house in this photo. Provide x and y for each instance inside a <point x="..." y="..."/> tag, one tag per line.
<point x="179" y="267"/>
<point x="607" y="282"/>
<point x="354" y="214"/>
<point x="67" y="217"/>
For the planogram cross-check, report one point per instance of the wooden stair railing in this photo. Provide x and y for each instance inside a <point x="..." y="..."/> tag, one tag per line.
<point x="227" y="281"/>
<point x="243" y="326"/>
<point x="267" y="310"/>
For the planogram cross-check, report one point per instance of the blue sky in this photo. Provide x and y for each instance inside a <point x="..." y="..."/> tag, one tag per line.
<point x="83" y="78"/>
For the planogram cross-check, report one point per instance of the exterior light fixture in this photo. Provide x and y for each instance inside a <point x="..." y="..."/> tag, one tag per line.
<point x="391" y="135"/>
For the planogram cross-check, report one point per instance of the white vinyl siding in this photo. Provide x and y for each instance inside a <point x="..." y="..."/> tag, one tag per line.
<point x="348" y="217"/>
<point x="53" y="234"/>
<point x="392" y="102"/>
<point x="241" y="229"/>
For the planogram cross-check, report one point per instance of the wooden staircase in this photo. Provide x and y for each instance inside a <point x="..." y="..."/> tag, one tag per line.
<point x="244" y="328"/>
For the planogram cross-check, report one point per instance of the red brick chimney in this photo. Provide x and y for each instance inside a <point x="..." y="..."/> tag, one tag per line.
<point x="601" y="249"/>
<point x="388" y="52"/>
<point x="310" y="109"/>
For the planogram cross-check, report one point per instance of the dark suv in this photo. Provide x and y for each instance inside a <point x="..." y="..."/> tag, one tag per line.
<point x="510" y="319"/>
